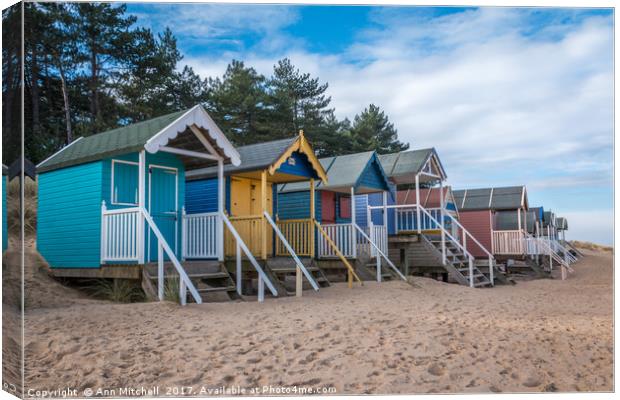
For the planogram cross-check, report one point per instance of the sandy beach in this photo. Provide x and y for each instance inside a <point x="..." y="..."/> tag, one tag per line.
<point x="394" y="337"/>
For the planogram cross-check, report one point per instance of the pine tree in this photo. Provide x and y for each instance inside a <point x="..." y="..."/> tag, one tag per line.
<point x="238" y="104"/>
<point x="372" y="130"/>
<point x="299" y="101"/>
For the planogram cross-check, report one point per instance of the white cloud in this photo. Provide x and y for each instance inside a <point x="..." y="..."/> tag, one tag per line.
<point x="497" y="104"/>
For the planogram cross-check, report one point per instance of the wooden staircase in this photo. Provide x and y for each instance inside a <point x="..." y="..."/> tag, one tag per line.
<point x="366" y="269"/>
<point x="282" y="272"/>
<point x="211" y="279"/>
<point x="457" y="263"/>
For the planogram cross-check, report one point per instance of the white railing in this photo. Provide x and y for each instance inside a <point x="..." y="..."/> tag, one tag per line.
<point x="240" y="246"/>
<point x="288" y="247"/>
<point x="545" y="248"/>
<point x="531" y="246"/>
<point x="407" y="219"/>
<point x="379" y="235"/>
<point x="561" y="250"/>
<point x="119" y="234"/>
<point x="343" y="237"/>
<point x="163" y="247"/>
<point x="380" y="254"/>
<point x="433" y="222"/>
<point x="445" y="233"/>
<point x="467" y="238"/>
<point x="509" y="242"/>
<point x="200" y="235"/>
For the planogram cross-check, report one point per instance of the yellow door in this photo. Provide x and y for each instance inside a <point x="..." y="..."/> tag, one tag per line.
<point x="240" y="190"/>
<point x="246" y="215"/>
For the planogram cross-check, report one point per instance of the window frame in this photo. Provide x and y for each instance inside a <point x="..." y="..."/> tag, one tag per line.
<point x="113" y="200"/>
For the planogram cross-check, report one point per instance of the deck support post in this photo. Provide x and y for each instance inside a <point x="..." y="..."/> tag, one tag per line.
<point x="104" y="233"/>
<point x="353" y="222"/>
<point x="550" y="248"/>
<point x="221" y="199"/>
<point x="141" y="204"/>
<point x="160" y="271"/>
<point x="385" y="214"/>
<point x="441" y="222"/>
<point x="263" y="198"/>
<point x="353" y="217"/>
<point x="261" y="289"/>
<point x="520" y="238"/>
<point x="417" y="202"/>
<point x="312" y="217"/>
<point x="239" y="269"/>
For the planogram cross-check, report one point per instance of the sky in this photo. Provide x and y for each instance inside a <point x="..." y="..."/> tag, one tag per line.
<point x="507" y="96"/>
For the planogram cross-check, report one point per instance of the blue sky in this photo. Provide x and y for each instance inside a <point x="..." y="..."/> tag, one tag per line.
<point x="508" y="96"/>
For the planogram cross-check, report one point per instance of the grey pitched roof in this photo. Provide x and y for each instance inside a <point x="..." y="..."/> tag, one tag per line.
<point x="253" y="157"/>
<point x="5" y="170"/>
<point x="342" y="172"/>
<point x="548" y="218"/>
<point x="117" y="141"/>
<point x="561" y="223"/>
<point x="407" y="163"/>
<point x="500" y="198"/>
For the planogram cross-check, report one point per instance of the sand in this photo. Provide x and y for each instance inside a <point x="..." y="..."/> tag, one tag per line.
<point x="393" y="337"/>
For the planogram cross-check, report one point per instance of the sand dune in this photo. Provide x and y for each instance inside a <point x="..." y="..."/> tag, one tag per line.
<point x="540" y="335"/>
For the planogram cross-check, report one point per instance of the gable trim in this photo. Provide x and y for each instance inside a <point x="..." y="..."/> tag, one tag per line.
<point x="301" y="145"/>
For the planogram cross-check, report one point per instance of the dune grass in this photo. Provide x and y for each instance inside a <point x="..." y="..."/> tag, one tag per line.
<point x="117" y="290"/>
<point x="30" y="207"/>
<point x="591" y="246"/>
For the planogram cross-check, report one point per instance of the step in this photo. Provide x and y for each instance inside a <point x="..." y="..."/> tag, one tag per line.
<point x="284" y="270"/>
<point x="230" y="288"/>
<point x="206" y="275"/>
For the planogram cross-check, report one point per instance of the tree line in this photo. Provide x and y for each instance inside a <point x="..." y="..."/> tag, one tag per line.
<point x="89" y="67"/>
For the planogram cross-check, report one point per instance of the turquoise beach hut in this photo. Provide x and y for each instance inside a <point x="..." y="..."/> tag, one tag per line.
<point x="112" y="201"/>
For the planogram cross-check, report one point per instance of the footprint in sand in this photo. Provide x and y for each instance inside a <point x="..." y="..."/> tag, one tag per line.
<point x="436" y="369"/>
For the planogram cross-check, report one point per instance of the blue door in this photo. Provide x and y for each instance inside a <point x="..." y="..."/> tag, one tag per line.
<point x="163" y="207"/>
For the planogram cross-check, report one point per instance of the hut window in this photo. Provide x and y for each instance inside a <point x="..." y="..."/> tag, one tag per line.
<point x="124" y="183"/>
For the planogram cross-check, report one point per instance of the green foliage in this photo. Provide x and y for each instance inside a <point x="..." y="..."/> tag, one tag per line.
<point x="239" y="103"/>
<point x="171" y="289"/>
<point x="372" y="130"/>
<point x="117" y="290"/>
<point x="89" y="67"/>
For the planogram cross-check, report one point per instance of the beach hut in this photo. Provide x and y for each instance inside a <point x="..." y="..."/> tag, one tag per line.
<point x="407" y="170"/>
<point x="425" y="236"/>
<point x="5" y="232"/>
<point x="561" y="228"/>
<point x="110" y="204"/>
<point x="497" y="217"/>
<point x="285" y="247"/>
<point x="337" y="217"/>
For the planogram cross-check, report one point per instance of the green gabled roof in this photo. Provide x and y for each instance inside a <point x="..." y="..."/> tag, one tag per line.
<point x="253" y="157"/>
<point x="343" y="172"/>
<point x="406" y="162"/>
<point x="497" y="198"/>
<point x="106" y="144"/>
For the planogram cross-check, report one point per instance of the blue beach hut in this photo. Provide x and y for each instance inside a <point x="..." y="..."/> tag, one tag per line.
<point x="348" y="176"/>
